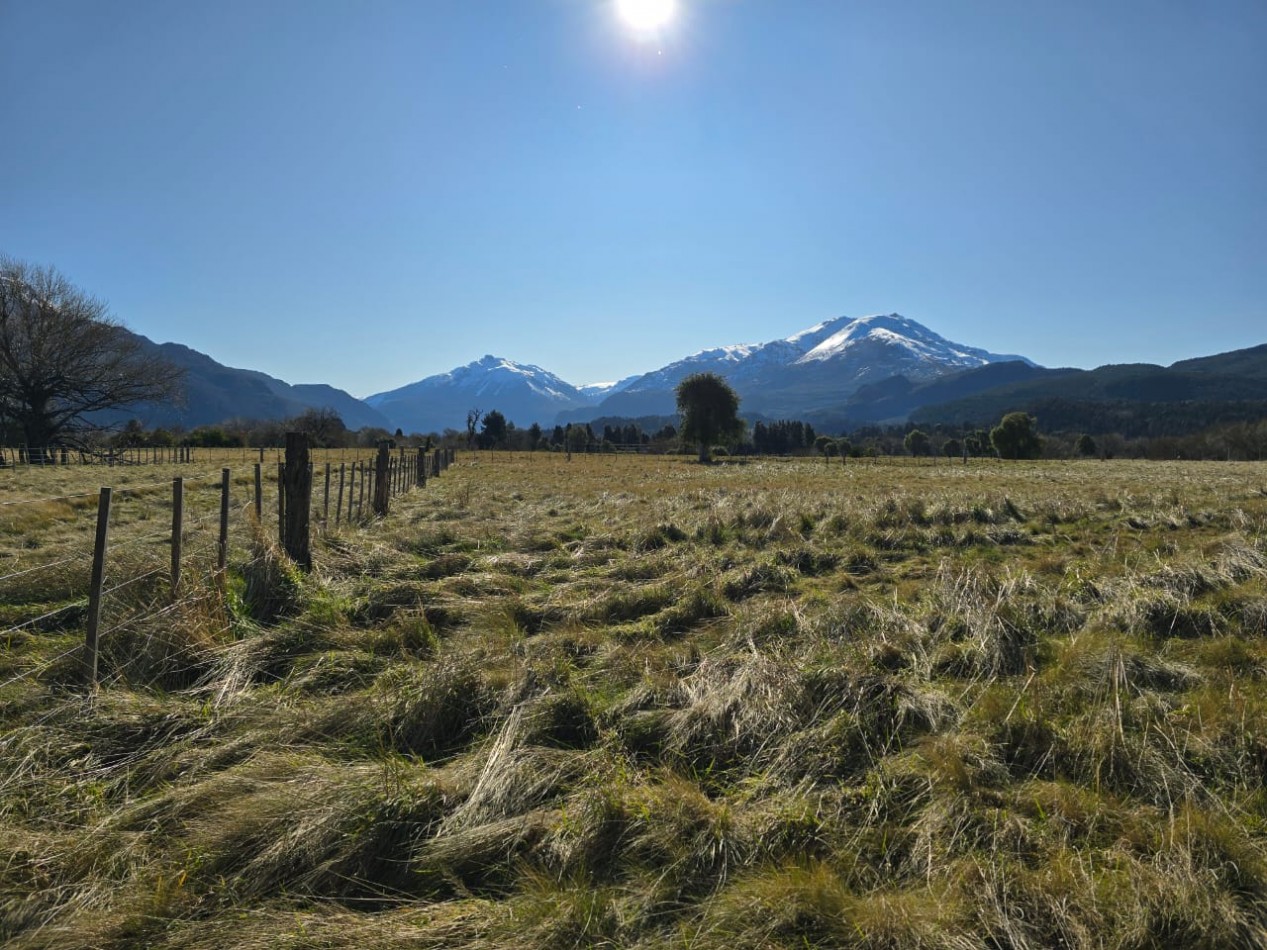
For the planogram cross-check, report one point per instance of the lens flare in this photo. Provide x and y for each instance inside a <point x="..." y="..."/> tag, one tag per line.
<point x="646" y="16"/>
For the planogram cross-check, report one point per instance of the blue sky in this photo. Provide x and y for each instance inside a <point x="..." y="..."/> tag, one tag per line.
<point x="367" y="193"/>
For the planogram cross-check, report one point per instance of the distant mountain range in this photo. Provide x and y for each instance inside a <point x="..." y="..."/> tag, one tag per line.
<point x="808" y="373"/>
<point x="524" y="394"/>
<point x="214" y="393"/>
<point x="839" y="375"/>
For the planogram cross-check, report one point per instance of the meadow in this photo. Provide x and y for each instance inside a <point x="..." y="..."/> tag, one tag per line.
<point x="631" y="701"/>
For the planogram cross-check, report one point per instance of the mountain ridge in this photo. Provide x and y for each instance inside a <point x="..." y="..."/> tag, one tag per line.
<point x="818" y="366"/>
<point x="838" y="374"/>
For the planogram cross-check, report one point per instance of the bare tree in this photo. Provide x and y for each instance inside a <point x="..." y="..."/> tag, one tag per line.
<point x="473" y="417"/>
<point x="63" y="357"/>
<point x="323" y="426"/>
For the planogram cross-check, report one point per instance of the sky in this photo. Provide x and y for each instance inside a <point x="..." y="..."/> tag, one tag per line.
<point x="367" y="193"/>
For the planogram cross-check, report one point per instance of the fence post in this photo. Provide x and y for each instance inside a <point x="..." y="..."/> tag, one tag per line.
<point x="297" y="484"/>
<point x="96" y="583"/>
<point x="222" y="550"/>
<point x="338" y="506"/>
<point x="325" y="511"/>
<point x="259" y="494"/>
<point x="178" y="527"/>
<point x="382" y="487"/>
<point x="360" y="496"/>
<point x="281" y="503"/>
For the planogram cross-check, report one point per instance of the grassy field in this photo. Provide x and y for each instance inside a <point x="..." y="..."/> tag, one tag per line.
<point x="633" y="701"/>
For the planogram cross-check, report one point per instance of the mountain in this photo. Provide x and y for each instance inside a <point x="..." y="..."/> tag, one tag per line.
<point x="213" y="393"/>
<point x="1132" y="399"/>
<point x="522" y="393"/>
<point x="1250" y="363"/>
<point x="812" y="372"/>
<point x="838" y="375"/>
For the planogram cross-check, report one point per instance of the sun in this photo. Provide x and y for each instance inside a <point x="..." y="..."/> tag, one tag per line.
<point x="646" y="16"/>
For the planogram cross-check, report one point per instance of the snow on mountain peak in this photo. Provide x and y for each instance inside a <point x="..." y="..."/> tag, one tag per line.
<point x="894" y="330"/>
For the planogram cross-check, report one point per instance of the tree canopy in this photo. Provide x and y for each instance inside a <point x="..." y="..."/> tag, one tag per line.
<point x="710" y="411"/>
<point x="1016" y="437"/>
<point x="917" y="443"/>
<point x="494" y="430"/>
<point x="63" y="357"/>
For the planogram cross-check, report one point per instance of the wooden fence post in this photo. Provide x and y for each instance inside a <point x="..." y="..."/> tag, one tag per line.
<point x="178" y="528"/>
<point x="360" y="498"/>
<point x="259" y="494"/>
<point x="382" y="487"/>
<point x="338" y="506"/>
<point x="281" y="503"/>
<point x="325" y="512"/>
<point x="96" y="583"/>
<point x="222" y="549"/>
<point x="297" y="478"/>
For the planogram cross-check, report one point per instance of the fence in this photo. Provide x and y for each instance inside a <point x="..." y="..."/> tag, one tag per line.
<point x="59" y="455"/>
<point x="70" y="585"/>
<point x="44" y="456"/>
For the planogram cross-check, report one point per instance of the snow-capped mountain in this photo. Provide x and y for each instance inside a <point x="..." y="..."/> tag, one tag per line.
<point x="895" y="331"/>
<point x="812" y="370"/>
<point x="522" y="393"/>
<point x="597" y="392"/>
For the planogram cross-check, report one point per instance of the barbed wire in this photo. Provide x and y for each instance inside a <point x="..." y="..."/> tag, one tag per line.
<point x="42" y="567"/>
<point x="132" y="542"/>
<point x="46" y="499"/>
<point x="34" y="620"/>
<point x="175" y="605"/>
<point x="41" y="668"/>
<point x="134" y="580"/>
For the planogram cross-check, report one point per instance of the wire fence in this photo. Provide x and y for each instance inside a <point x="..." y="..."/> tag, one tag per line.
<point x="22" y="457"/>
<point x="164" y="546"/>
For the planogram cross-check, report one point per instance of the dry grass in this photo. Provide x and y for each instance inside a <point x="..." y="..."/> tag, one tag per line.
<point x="632" y="701"/>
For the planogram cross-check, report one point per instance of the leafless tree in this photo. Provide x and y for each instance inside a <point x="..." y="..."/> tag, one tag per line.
<point x="473" y="417"/>
<point x="63" y="357"/>
<point x="324" y="427"/>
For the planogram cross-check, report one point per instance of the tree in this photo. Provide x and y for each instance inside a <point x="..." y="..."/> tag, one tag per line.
<point x="1085" y="445"/>
<point x="494" y="431"/>
<point x="826" y="445"/>
<point x="917" y="443"/>
<point x="324" y="427"/>
<point x="63" y="358"/>
<point x="710" y="411"/>
<point x="473" y="417"/>
<point x="1016" y="437"/>
<point x="952" y="448"/>
<point x="534" y="436"/>
<point x="844" y="448"/>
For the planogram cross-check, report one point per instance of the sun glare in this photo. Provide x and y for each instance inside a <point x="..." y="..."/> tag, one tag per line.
<point x="646" y="16"/>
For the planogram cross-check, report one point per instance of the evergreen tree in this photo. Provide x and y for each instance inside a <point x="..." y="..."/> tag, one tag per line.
<point x="710" y="411"/>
